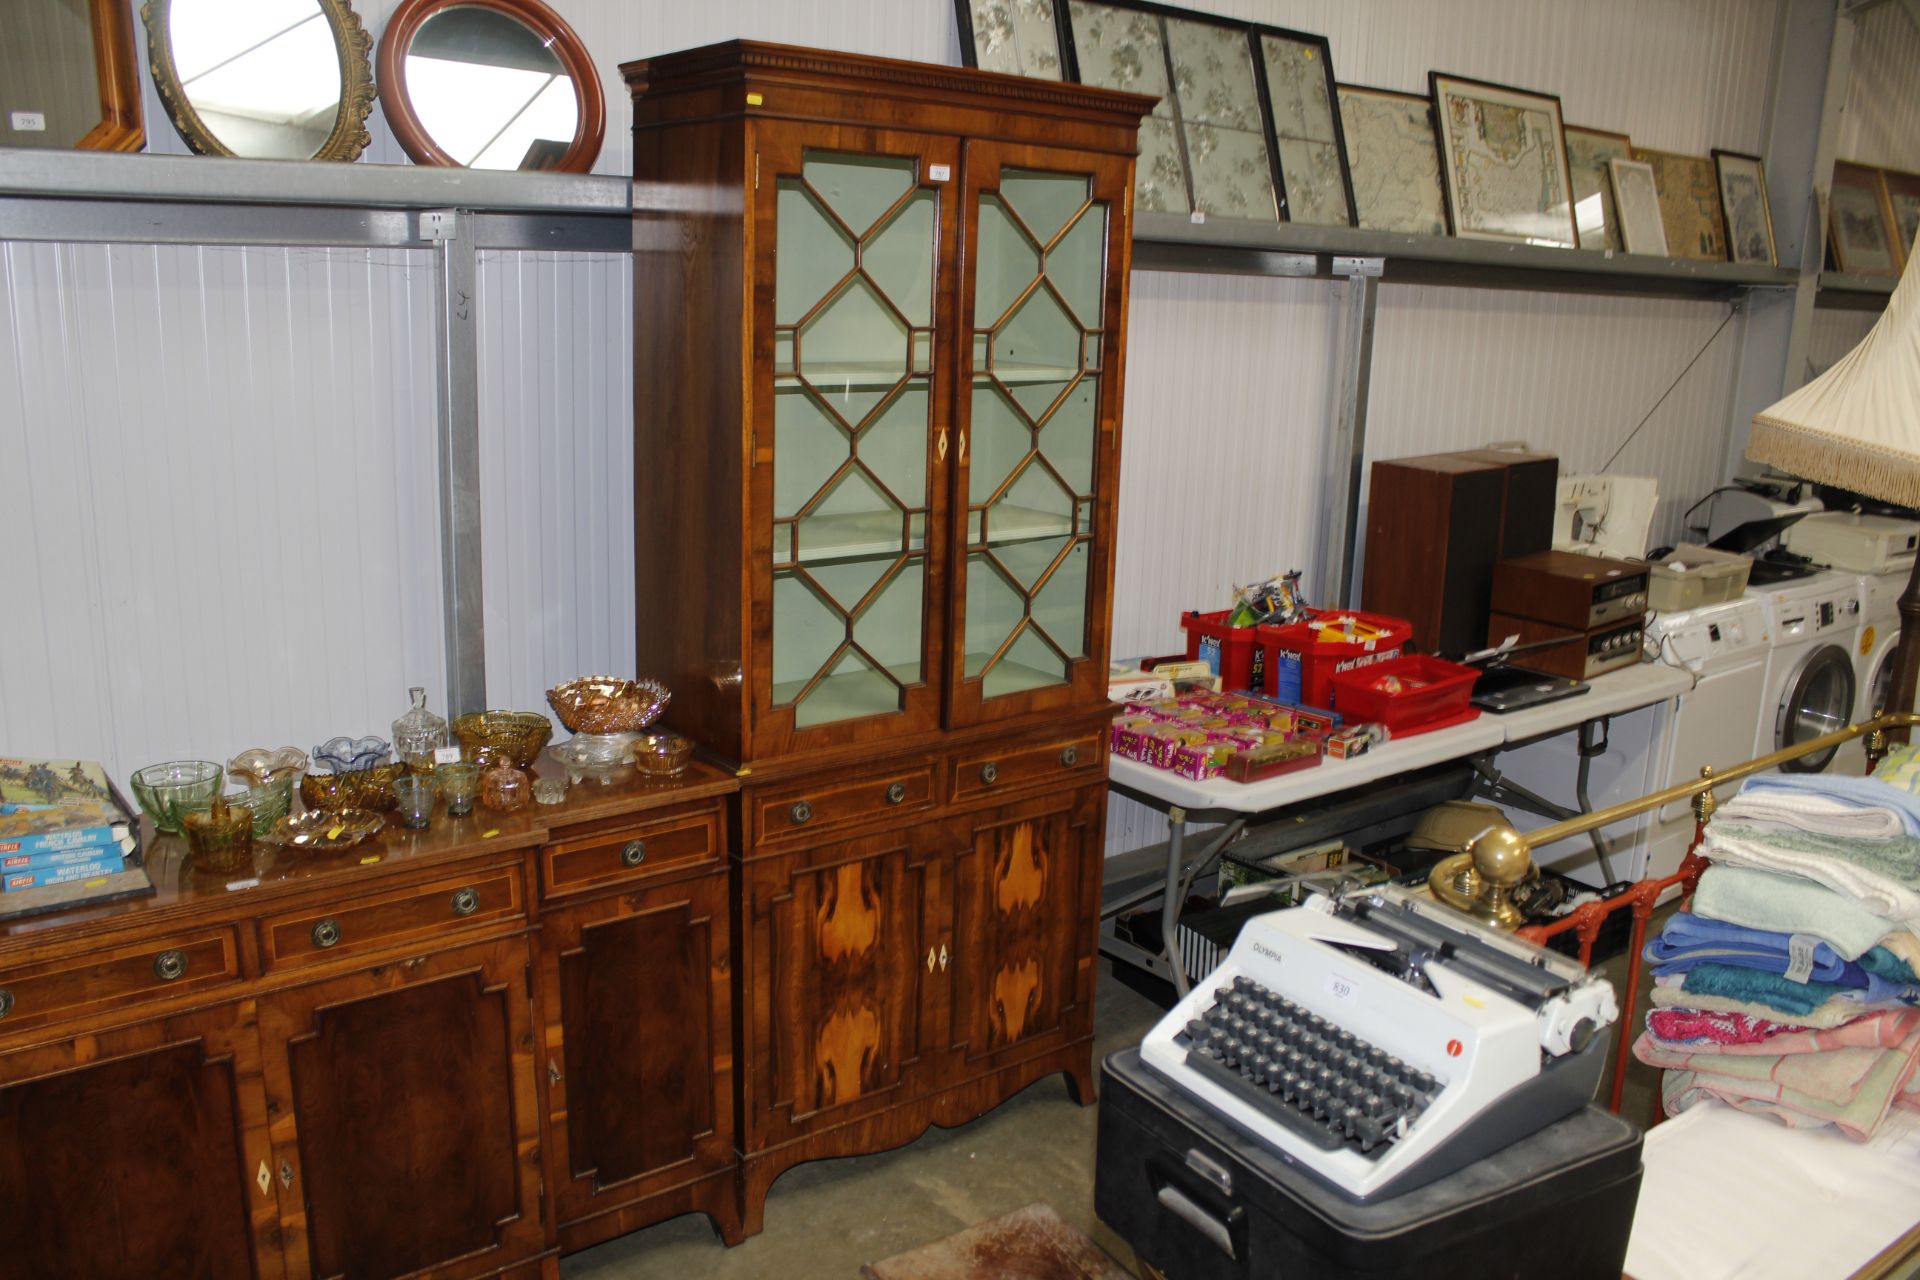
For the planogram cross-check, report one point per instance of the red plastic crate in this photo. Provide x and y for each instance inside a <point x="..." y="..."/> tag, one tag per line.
<point x="1300" y="666"/>
<point x="1234" y="653"/>
<point x="1440" y="696"/>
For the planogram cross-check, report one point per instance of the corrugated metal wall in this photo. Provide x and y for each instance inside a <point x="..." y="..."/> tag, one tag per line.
<point x="1882" y="123"/>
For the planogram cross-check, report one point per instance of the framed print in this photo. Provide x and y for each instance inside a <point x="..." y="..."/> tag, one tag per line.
<point x="1743" y="203"/>
<point x="1860" y="223"/>
<point x="1019" y="37"/>
<point x="1308" y="146"/>
<point x="1204" y="148"/>
<point x="1588" y="151"/>
<point x="1903" y="198"/>
<point x="1689" y="204"/>
<point x="1392" y="161"/>
<point x="1503" y="162"/>
<point x="1636" y="197"/>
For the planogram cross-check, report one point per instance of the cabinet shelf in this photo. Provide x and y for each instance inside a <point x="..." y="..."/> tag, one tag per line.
<point x="877" y="375"/>
<point x="862" y="535"/>
<point x="845" y="697"/>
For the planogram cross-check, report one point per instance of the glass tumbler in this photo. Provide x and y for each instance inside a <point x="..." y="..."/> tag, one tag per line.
<point x="415" y="794"/>
<point x="459" y="783"/>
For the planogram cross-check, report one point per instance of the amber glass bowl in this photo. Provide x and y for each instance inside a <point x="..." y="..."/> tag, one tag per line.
<point x="487" y="736"/>
<point x="606" y="704"/>
<point x="662" y="755"/>
<point x="360" y="789"/>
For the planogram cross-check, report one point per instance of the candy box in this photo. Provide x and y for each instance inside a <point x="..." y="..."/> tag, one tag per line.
<point x="1203" y="761"/>
<point x="1126" y="735"/>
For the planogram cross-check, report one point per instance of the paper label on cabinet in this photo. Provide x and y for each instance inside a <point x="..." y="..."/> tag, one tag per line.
<point x="939" y="172"/>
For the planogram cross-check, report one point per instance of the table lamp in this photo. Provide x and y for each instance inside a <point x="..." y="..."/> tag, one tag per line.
<point x="1858" y="426"/>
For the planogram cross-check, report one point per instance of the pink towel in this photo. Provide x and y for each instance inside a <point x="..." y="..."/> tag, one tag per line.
<point x="1850" y="1089"/>
<point x="1672" y="1029"/>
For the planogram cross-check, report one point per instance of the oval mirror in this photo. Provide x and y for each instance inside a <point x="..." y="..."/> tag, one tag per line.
<point x="490" y="84"/>
<point x="263" y="79"/>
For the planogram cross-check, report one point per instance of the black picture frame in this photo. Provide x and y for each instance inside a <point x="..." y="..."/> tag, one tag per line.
<point x="970" y="54"/>
<point x="1720" y="156"/>
<point x="1425" y="102"/>
<point x="1258" y="32"/>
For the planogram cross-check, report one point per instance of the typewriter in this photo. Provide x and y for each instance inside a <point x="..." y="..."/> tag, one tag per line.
<point x="1380" y="1040"/>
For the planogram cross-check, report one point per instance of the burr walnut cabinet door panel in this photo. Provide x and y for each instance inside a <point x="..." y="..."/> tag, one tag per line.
<point x="639" y="1057"/>
<point x="1026" y="882"/>
<point x="405" y="1118"/>
<point x="837" y="994"/>
<point x="138" y="1153"/>
<point x="853" y="232"/>
<point x="1037" y="464"/>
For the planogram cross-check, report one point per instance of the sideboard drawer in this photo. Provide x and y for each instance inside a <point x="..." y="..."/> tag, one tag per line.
<point x="824" y="805"/>
<point x="101" y="978"/>
<point x="420" y="914"/>
<point x="989" y="771"/>
<point x="626" y="852"/>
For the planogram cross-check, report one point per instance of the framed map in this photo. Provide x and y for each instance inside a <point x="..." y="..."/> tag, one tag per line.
<point x="1307" y="138"/>
<point x="1019" y="37"/>
<point x="1636" y="197"/>
<point x="1743" y="202"/>
<point x="1903" y="194"/>
<point x="1503" y="160"/>
<point x="1860" y="222"/>
<point x="1689" y="204"/>
<point x="1392" y="162"/>
<point x="1588" y="151"/>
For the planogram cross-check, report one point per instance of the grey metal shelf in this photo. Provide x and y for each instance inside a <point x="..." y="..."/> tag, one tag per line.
<point x="1844" y="291"/>
<point x="1170" y="242"/>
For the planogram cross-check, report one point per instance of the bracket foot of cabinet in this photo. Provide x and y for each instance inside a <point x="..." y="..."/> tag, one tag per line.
<point x="715" y="1194"/>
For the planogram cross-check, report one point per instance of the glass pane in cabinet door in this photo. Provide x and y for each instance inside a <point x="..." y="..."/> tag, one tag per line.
<point x="853" y="369"/>
<point x="1039" y="285"/>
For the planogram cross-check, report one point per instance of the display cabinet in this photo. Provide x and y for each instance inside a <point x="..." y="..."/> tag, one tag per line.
<point x="879" y="338"/>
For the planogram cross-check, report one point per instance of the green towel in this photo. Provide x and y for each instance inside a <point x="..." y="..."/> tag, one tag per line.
<point x="1881" y="961"/>
<point x="1788" y="904"/>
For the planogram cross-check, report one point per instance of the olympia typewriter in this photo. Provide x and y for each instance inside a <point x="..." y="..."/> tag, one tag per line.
<point x="1380" y="1040"/>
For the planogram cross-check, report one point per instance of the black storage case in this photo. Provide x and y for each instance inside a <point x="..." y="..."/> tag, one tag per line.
<point x="1198" y="1198"/>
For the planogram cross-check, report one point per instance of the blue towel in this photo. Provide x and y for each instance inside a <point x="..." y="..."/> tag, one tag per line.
<point x="1689" y="939"/>
<point x="1868" y="792"/>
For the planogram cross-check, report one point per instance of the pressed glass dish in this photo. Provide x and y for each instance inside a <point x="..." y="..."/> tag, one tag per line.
<point x="359" y="789"/>
<point x="607" y="704"/>
<point x="347" y="755"/>
<point x="517" y="736"/>
<point x="269" y="804"/>
<point x="219" y="838"/>
<point x="418" y="733"/>
<point x="263" y="767"/>
<point x="662" y="755"/>
<point x="168" y="790"/>
<point x="319" y="830"/>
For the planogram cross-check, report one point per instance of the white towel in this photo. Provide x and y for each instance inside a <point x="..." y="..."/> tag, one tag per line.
<point x="1877" y="893"/>
<point x="1805" y="811"/>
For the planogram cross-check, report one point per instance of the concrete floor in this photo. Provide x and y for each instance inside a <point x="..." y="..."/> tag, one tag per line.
<point x="827" y="1218"/>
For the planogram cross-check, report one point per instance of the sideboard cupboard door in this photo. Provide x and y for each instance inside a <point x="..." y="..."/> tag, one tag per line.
<point x="405" y="1121"/>
<point x="842" y="958"/>
<point x="851" y="432"/>
<point x="1026" y="882"/>
<point x="639" y="1057"/>
<point x="1037" y="464"/>
<point x="136" y="1153"/>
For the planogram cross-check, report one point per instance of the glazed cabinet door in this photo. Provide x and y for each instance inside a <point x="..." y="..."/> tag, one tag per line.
<point x="137" y="1153"/>
<point x="1038" y="451"/>
<point x="405" y="1123"/>
<point x="852" y="238"/>
<point x="639" y="1058"/>
<point x="839" y="958"/>
<point x="1026" y="896"/>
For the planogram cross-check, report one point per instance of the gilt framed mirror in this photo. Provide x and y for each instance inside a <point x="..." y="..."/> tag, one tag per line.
<point x="68" y="78"/>
<point x="490" y="84"/>
<point x="263" y="79"/>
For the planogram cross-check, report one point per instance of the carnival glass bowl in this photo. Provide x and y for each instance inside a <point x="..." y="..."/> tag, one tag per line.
<point x="265" y="768"/>
<point x="662" y="755"/>
<point x="607" y="704"/>
<point x="320" y="831"/>
<point x="517" y="736"/>
<point x="355" y="789"/>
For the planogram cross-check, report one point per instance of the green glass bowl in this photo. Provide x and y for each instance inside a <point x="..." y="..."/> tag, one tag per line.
<point x="165" y="791"/>
<point x="488" y="736"/>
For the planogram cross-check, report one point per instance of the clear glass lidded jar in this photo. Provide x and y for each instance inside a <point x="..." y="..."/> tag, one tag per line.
<point x="418" y="733"/>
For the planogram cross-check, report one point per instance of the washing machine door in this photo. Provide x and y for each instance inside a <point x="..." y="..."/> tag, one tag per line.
<point x="1817" y="699"/>
<point x="1880" y="686"/>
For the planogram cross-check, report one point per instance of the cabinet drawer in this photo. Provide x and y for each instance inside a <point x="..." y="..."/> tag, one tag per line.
<point x="108" y="977"/>
<point x="626" y="852"/>
<point x="989" y="771"/>
<point x="828" y="804"/>
<point x="419" y="913"/>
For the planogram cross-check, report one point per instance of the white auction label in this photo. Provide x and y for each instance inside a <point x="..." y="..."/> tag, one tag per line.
<point x="1340" y="986"/>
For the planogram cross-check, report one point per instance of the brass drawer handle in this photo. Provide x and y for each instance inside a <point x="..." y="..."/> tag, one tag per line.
<point x="465" y="902"/>
<point x="800" y="812"/>
<point x="989" y="773"/>
<point x="169" y="965"/>
<point x="326" y="933"/>
<point x="1069" y="757"/>
<point x="633" y="853"/>
<point x="6" y="1002"/>
<point x="896" y="793"/>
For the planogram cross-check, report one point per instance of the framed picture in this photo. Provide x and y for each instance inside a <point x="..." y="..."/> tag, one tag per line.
<point x="1018" y="37"/>
<point x="1588" y="151"/>
<point x="1393" y="164"/>
<point x="1636" y="197"/>
<point x="1308" y="146"/>
<point x="1204" y="149"/>
<point x="1903" y="198"/>
<point x="1503" y="162"/>
<point x="1743" y="203"/>
<point x="1689" y="204"/>
<point x="1860" y="223"/>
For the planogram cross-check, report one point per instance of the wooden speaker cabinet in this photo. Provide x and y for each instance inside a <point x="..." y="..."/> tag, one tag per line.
<point x="879" y="337"/>
<point x="1436" y="526"/>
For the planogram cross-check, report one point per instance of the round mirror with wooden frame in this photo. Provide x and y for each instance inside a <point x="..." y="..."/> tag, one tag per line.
<point x="490" y="84"/>
<point x="263" y="79"/>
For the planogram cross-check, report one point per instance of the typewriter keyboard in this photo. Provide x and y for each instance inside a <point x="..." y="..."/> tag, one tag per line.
<point x="1316" y="1079"/>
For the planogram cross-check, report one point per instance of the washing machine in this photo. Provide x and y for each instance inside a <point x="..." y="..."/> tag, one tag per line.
<point x="1726" y="646"/>
<point x="1811" y="682"/>
<point x="1873" y="656"/>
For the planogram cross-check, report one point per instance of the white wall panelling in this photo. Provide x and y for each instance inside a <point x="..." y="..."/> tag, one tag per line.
<point x="1882" y="121"/>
